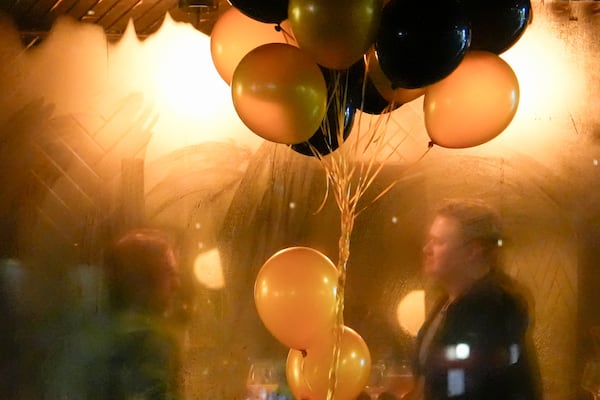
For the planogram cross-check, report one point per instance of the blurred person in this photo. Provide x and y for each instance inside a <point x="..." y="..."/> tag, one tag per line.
<point x="76" y="367"/>
<point x="143" y="283"/>
<point x="11" y="346"/>
<point x="119" y="325"/>
<point x="475" y="343"/>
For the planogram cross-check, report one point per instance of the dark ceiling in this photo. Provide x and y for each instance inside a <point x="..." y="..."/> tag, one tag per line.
<point x="34" y="18"/>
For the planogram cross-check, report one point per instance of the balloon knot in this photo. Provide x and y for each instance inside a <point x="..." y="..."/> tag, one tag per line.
<point x="430" y="144"/>
<point x="278" y="27"/>
<point x="304" y="353"/>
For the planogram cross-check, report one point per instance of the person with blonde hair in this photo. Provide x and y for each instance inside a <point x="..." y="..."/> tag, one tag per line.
<point x="475" y="343"/>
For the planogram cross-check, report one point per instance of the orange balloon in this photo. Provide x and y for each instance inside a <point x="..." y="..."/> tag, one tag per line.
<point x="383" y="85"/>
<point x="295" y="294"/>
<point x="279" y="92"/>
<point x="335" y="32"/>
<point x="308" y="376"/>
<point x="474" y="104"/>
<point x="235" y="35"/>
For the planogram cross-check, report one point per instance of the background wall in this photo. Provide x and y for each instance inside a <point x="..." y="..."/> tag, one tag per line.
<point x="97" y="137"/>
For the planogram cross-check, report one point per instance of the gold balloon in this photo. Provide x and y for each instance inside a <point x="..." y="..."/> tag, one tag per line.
<point x="308" y="374"/>
<point x="383" y="85"/>
<point x="235" y="35"/>
<point x="295" y="293"/>
<point x="335" y="32"/>
<point x="279" y="92"/>
<point x="474" y="104"/>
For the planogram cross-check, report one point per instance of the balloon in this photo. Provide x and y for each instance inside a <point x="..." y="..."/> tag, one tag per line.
<point x="268" y="11"/>
<point x="308" y="376"/>
<point x="335" y="32"/>
<point x="295" y="294"/>
<point x="420" y="43"/>
<point x="279" y="93"/>
<point x="497" y="25"/>
<point x="235" y="35"/>
<point x="326" y="139"/>
<point x="472" y="105"/>
<point x="365" y="95"/>
<point x="384" y="86"/>
<point x="340" y="111"/>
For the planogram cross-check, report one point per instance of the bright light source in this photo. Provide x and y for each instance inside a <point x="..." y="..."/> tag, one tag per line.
<point x="548" y="75"/>
<point x="411" y="311"/>
<point x="188" y="101"/>
<point x="208" y="270"/>
<point x="552" y="80"/>
<point x="185" y="73"/>
<point x="462" y="351"/>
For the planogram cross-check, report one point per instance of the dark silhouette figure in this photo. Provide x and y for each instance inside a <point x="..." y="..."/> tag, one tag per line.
<point x="143" y="281"/>
<point x="475" y="343"/>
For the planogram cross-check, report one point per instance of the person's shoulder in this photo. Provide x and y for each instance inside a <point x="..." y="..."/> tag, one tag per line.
<point x="498" y="290"/>
<point x="499" y="304"/>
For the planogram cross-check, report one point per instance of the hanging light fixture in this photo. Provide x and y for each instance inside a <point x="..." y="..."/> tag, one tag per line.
<point x="202" y="14"/>
<point x="198" y="5"/>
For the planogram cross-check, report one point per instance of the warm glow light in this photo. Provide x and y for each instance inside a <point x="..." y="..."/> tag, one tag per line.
<point x="187" y="84"/>
<point x="208" y="270"/>
<point x="552" y="82"/>
<point x="411" y="311"/>
<point x="179" y="79"/>
<point x="173" y="69"/>
<point x="547" y="75"/>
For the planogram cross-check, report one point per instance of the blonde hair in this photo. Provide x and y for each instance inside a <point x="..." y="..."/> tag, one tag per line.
<point x="479" y="222"/>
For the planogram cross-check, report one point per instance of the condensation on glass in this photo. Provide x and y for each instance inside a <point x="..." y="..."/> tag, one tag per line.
<point x="98" y="140"/>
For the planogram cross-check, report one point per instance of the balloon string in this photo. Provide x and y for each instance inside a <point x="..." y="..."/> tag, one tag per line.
<point x="306" y="381"/>
<point x="287" y="36"/>
<point x="396" y="181"/>
<point x="347" y="225"/>
<point x="324" y="201"/>
<point x="348" y="178"/>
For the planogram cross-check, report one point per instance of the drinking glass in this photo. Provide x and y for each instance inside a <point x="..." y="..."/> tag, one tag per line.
<point x="262" y="380"/>
<point x="399" y="379"/>
<point x="590" y="379"/>
<point x="376" y="385"/>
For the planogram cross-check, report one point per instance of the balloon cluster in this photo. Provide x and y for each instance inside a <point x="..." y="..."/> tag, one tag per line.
<point x="299" y="69"/>
<point x="295" y="296"/>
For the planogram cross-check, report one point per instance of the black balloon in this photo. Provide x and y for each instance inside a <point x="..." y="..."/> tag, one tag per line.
<point x="420" y="43"/>
<point x="497" y="25"/>
<point x="365" y="95"/>
<point x="340" y="103"/>
<point x="267" y="11"/>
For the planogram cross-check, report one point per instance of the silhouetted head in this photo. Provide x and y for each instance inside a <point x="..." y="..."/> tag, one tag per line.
<point x="462" y="242"/>
<point x="142" y="271"/>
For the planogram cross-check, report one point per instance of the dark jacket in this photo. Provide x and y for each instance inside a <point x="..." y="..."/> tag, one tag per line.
<point x="144" y="362"/>
<point x="482" y="349"/>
